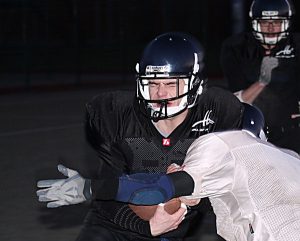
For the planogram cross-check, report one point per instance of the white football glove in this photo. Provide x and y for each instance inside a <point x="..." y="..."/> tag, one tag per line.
<point x="267" y="65"/>
<point x="61" y="192"/>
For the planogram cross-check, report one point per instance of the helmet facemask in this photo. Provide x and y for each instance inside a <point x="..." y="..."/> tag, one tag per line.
<point x="158" y="109"/>
<point x="262" y="12"/>
<point x="263" y="37"/>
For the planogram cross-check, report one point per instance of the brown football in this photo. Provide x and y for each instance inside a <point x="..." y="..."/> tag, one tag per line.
<point x="147" y="212"/>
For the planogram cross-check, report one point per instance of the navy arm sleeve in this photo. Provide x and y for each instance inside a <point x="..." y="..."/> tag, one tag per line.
<point x="145" y="188"/>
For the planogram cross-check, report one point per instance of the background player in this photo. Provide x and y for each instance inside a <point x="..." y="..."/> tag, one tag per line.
<point x="262" y="67"/>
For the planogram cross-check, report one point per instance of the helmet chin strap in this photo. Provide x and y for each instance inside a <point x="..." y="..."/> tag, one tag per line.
<point x="157" y="113"/>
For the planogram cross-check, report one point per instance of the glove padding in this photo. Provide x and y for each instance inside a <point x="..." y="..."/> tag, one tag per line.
<point x="61" y="192"/>
<point x="267" y="65"/>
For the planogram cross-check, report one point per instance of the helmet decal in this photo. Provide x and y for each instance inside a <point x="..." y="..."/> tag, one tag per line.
<point x="158" y="69"/>
<point x="269" y="13"/>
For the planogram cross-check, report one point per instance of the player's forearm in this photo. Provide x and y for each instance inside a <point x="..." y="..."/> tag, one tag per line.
<point x="123" y="216"/>
<point x="252" y="92"/>
<point x="139" y="188"/>
<point x="105" y="189"/>
<point x="143" y="188"/>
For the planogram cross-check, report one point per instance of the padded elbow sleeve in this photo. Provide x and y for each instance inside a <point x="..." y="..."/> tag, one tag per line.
<point x="145" y="189"/>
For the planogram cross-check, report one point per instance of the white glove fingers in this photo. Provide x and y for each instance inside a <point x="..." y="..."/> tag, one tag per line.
<point x="56" y="195"/>
<point x="66" y="171"/>
<point x="53" y="196"/>
<point x="47" y="199"/>
<point x="42" y="191"/>
<point x="267" y="65"/>
<point x="50" y="183"/>
<point x="269" y="62"/>
<point x="60" y="192"/>
<point x="56" y="204"/>
<point x="49" y="192"/>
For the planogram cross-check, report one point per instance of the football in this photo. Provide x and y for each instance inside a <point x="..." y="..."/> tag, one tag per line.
<point x="147" y="212"/>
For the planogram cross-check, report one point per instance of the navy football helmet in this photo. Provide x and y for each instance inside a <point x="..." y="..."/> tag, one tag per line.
<point x="271" y="10"/>
<point x="254" y="121"/>
<point x="171" y="55"/>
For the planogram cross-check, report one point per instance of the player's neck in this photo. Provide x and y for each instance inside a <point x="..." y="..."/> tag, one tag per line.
<point x="268" y="49"/>
<point x="167" y="126"/>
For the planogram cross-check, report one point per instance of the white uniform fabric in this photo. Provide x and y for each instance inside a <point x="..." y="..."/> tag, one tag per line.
<point x="253" y="186"/>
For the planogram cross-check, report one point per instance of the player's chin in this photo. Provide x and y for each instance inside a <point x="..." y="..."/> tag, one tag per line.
<point x="169" y="104"/>
<point x="271" y="35"/>
<point x="172" y="104"/>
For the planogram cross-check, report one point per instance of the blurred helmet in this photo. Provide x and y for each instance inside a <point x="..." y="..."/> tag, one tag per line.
<point x="176" y="56"/>
<point x="261" y="10"/>
<point x="254" y="121"/>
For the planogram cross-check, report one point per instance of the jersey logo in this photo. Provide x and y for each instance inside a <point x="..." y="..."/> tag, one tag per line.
<point x="203" y="125"/>
<point x="287" y="52"/>
<point x="166" y="142"/>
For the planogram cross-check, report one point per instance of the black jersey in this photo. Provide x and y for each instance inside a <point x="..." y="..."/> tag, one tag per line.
<point x="127" y="142"/>
<point x="241" y="58"/>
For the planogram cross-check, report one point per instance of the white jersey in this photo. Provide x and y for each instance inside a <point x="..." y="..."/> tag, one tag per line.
<point x="253" y="186"/>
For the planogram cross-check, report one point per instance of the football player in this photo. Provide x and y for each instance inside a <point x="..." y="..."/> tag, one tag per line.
<point x="253" y="186"/>
<point x="262" y="68"/>
<point x="145" y="132"/>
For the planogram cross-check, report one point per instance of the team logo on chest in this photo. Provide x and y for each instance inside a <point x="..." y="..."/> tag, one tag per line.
<point x="203" y="125"/>
<point x="166" y="142"/>
<point x="287" y="52"/>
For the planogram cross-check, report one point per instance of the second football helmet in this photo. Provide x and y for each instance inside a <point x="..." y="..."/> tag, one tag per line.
<point x="261" y="10"/>
<point x="254" y="121"/>
<point x="176" y="56"/>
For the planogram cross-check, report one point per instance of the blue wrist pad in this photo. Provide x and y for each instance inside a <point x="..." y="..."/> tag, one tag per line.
<point x="145" y="189"/>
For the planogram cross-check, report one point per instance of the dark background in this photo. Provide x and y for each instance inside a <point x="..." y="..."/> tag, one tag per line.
<point x="54" y="42"/>
<point x="55" y="55"/>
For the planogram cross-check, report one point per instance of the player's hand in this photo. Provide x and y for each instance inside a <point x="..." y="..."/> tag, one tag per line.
<point x="190" y="202"/>
<point x="267" y="65"/>
<point x="174" y="168"/>
<point x="61" y="192"/>
<point x="163" y="222"/>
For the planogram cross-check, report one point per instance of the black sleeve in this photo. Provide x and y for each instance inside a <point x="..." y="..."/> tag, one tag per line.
<point x="104" y="189"/>
<point x="104" y="117"/>
<point x="183" y="183"/>
<point x="102" y="127"/>
<point x="231" y="66"/>
<point x="122" y="215"/>
<point x="228" y="114"/>
<point x="297" y="40"/>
